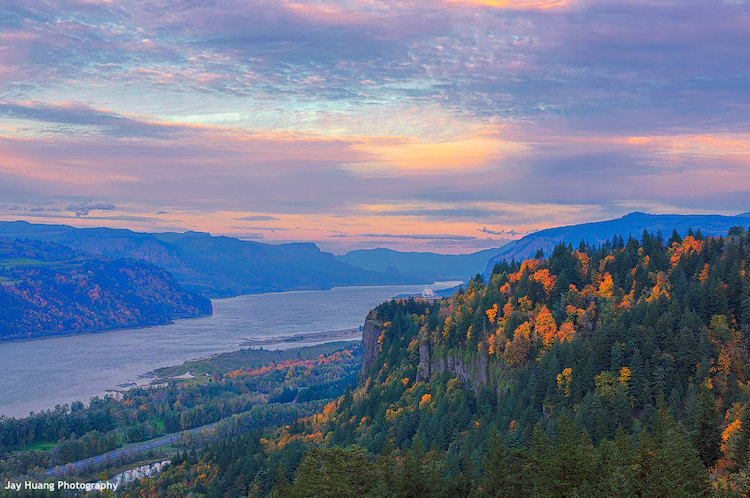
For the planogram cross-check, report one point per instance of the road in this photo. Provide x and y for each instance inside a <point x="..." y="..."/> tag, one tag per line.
<point x="136" y="448"/>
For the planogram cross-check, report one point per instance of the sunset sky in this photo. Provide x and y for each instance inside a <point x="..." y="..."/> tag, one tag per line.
<point x="443" y="125"/>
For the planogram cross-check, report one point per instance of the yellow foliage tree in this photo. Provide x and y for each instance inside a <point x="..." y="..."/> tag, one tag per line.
<point x="567" y="332"/>
<point x="563" y="381"/>
<point x="517" y="350"/>
<point x="545" y="278"/>
<point x="606" y="287"/>
<point x="492" y="313"/>
<point x="545" y="328"/>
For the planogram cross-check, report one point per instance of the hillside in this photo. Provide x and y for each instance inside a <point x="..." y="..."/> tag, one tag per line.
<point x="436" y="266"/>
<point x="49" y="289"/>
<point x="620" y="370"/>
<point x="213" y="266"/>
<point x="631" y="224"/>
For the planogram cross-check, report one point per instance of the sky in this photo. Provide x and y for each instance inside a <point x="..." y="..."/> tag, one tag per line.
<point x="446" y="125"/>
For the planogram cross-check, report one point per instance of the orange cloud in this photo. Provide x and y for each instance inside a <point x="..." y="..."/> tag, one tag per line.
<point x="415" y="156"/>
<point x="518" y="4"/>
<point x="17" y="162"/>
<point x="699" y="145"/>
<point x="327" y="13"/>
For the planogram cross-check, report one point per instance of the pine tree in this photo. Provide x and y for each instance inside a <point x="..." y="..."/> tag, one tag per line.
<point x="675" y="237"/>
<point x="742" y="446"/>
<point x="681" y="472"/>
<point x="496" y="479"/>
<point x="619" y="476"/>
<point x="708" y="431"/>
<point x="575" y="458"/>
<point x="334" y="472"/>
<point x="541" y="460"/>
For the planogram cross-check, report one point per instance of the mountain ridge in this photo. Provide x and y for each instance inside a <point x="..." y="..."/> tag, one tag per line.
<point x="216" y="266"/>
<point x="599" y="231"/>
<point x="438" y="266"/>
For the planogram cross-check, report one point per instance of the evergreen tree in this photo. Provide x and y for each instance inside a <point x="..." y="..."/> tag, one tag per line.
<point x="742" y="445"/>
<point x="680" y="471"/>
<point x="619" y="474"/>
<point x="496" y="480"/>
<point x="708" y="430"/>
<point x="334" y="472"/>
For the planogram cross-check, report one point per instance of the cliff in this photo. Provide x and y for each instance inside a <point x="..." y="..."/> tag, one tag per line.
<point x="472" y="368"/>
<point x="370" y="347"/>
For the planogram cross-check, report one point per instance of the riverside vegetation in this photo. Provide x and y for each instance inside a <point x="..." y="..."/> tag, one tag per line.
<point x="618" y="370"/>
<point x="242" y="390"/>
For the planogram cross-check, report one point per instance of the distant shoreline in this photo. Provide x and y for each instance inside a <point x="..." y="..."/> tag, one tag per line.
<point x="308" y="339"/>
<point x="73" y="333"/>
<point x="322" y="336"/>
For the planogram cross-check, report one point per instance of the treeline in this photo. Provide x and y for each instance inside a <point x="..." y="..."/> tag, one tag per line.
<point x="618" y="370"/>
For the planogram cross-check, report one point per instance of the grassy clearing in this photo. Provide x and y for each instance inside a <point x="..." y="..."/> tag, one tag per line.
<point x="8" y="281"/>
<point x="20" y="262"/>
<point x="39" y="446"/>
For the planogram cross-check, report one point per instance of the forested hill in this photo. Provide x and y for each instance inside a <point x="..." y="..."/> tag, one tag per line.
<point x="214" y="266"/>
<point x="620" y="370"/>
<point x="631" y="224"/>
<point x="437" y="266"/>
<point x="49" y="289"/>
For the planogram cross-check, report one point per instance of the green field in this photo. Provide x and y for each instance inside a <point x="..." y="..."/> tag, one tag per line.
<point x="8" y="281"/>
<point x="39" y="446"/>
<point x="16" y="262"/>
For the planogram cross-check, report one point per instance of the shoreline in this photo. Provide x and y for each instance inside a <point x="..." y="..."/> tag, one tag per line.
<point x="312" y="337"/>
<point x="251" y="342"/>
<point x="243" y="330"/>
<point x="267" y="344"/>
<point x="74" y="333"/>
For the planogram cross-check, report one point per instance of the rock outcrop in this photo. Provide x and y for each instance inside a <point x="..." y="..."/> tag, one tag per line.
<point x="472" y="371"/>
<point x="370" y="347"/>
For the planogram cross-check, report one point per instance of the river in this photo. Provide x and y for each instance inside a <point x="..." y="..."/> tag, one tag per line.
<point x="39" y="374"/>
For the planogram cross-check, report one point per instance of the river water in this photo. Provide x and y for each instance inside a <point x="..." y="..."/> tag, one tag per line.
<point x="38" y="374"/>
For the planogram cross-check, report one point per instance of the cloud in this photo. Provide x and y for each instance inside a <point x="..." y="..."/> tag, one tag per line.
<point x="419" y="236"/>
<point x="83" y="117"/>
<point x="506" y="114"/>
<point x="257" y="218"/>
<point x="510" y="233"/>
<point x="242" y="235"/>
<point x="36" y="209"/>
<point x="518" y="4"/>
<point x="86" y="207"/>
<point x="467" y="245"/>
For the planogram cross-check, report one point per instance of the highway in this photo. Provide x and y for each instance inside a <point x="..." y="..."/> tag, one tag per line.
<point x="133" y="449"/>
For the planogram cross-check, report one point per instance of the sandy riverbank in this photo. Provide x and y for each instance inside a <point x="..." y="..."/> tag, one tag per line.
<point x="314" y="337"/>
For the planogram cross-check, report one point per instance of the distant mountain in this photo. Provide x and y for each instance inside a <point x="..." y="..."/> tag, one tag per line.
<point x="631" y="224"/>
<point x="214" y="266"/>
<point x="50" y="289"/>
<point x="436" y="266"/>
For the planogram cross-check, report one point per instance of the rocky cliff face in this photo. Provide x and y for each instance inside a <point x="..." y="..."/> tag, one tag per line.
<point x="472" y="370"/>
<point x="370" y="347"/>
